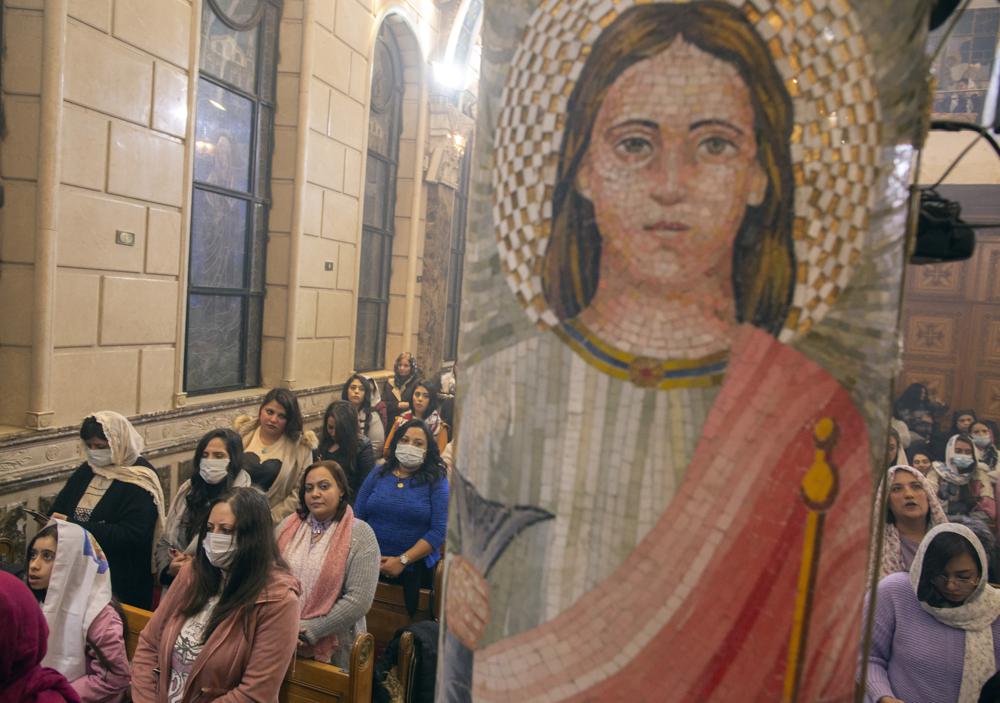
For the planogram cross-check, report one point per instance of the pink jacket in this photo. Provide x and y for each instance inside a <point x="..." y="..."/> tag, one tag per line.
<point x="234" y="666"/>
<point x="105" y="683"/>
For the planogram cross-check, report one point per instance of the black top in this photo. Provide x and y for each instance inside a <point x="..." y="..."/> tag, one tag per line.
<point x="123" y="522"/>
<point x="262" y="473"/>
<point x="357" y="471"/>
<point x="392" y="410"/>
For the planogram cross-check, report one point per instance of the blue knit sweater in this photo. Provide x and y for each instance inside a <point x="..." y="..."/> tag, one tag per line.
<point x="401" y="516"/>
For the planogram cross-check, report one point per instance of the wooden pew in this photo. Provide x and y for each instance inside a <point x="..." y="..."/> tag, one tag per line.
<point x="388" y="612"/>
<point x="309" y="681"/>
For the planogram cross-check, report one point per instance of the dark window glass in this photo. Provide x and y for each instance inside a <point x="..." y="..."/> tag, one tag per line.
<point x="231" y="198"/>
<point x="384" y="126"/>
<point x="213" y="340"/>
<point x="456" y="261"/>
<point x="223" y="134"/>
<point x="218" y="240"/>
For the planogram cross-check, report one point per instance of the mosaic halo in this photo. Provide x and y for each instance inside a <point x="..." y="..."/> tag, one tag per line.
<point x="817" y="48"/>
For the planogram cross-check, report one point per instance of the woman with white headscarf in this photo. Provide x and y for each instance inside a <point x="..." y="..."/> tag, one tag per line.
<point x="68" y="574"/>
<point x="963" y="482"/>
<point x="936" y="634"/>
<point x="912" y="509"/>
<point x="116" y="496"/>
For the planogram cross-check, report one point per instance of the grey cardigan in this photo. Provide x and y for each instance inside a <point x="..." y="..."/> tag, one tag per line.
<point x="347" y="617"/>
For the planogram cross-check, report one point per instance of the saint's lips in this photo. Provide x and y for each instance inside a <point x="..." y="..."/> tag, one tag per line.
<point x="664" y="226"/>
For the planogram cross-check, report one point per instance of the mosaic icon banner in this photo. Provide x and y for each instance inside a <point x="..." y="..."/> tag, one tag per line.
<point x="683" y="278"/>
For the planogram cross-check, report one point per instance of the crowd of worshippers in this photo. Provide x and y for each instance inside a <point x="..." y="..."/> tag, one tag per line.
<point x="273" y="547"/>
<point x="938" y="558"/>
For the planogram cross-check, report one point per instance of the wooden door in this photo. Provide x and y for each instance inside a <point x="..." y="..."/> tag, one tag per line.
<point x="951" y="329"/>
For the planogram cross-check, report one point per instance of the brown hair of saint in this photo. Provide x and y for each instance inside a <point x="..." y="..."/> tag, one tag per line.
<point x="763" y="258"/>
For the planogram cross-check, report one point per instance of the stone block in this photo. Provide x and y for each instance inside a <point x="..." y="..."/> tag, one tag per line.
<point x="145" y="165"/>
<point x="84" y="148"/>
<point x="163" y="242"/>
<point x="107" y="75"/>
<point x="138" y="311"/>
<point x="77" y="308"/>
<point x="87" y="226"/>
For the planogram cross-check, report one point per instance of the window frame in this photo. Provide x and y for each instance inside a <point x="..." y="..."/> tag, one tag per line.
<point x="257" y="199"/>
<point x="374" y="359"/>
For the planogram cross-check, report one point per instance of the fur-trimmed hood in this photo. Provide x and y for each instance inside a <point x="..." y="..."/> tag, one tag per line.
<point x="245" y="424"/>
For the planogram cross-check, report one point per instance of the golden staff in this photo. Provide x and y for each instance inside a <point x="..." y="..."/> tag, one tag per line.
<point x="819" y="490"/>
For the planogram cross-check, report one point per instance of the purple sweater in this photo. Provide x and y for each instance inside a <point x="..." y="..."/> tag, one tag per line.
<point x="914" y="657"/>
<point x="401" y="516"/>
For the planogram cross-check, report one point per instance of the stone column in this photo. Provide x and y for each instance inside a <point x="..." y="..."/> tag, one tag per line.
<point x="450" y="133"/>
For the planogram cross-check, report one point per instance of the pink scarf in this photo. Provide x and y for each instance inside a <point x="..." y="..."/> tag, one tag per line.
<point x="296" y="535"/>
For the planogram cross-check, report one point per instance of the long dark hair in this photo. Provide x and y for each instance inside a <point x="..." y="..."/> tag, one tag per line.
<point x="338" y="475"/>
<point x="399" y="382"/>
<point x="256" y="555"/>
<point x="763" y="258"/>
<point x="915" y="397"/>
<point x="92" y="428"/>
<point x="432" y="396"/>
<point x="345" y="417"/>
<point x="432" y="470"/>
<point x="942" y="549"/>
<point x="959" y="413"/>
<point x="365" y="413"/>
<point x="47" y="531"/>
<point x="200" y="497"/>
<point x="293" y="415"/>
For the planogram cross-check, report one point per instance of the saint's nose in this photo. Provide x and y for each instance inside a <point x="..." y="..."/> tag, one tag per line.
<point x="670" y="174"/>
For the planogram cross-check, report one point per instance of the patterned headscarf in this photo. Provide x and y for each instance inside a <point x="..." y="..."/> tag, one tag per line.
<point x="892" y="549"/>
<point x="975" y="616"/>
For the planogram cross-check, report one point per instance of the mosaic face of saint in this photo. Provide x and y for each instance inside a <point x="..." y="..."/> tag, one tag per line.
<point x="671" y="168"/>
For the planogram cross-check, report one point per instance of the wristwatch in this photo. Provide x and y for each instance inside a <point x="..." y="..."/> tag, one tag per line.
<point x="403" y="559"/>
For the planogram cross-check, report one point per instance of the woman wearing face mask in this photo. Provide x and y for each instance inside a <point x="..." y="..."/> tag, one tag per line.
<point x="982" y="437"/>
<point x="962" y="483"/>
<point x="218" y="460"/>
<point x="398" y="388"/>
<point x="944" y="600"/>
<point x="116" y="496"/>
<point x="276" y="449"/>
<point x="68" y="575"/>
<point x="341" y="442"/>
<point x="406" y="504"/>
<point x="335" y="557"/>
<point x="424" y="407"/>
<point x="227" y="628"/>
<point x="912" y="509"/>
<point x="23" y="678"/>
<point x="358" y="391"/>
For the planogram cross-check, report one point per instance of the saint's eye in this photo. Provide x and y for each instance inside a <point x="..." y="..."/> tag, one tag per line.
<point x="718" y="146"/>
<point x="634" y="146"/>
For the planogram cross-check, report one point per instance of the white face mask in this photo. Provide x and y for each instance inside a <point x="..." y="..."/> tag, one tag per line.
<point x="214" y="470"/>
<point x="98" y="457"/>
<point x="982" y="442"/>
<point x="409" y="455"/>
<point x="219" y="548"/>
<point x="962" y="461"/>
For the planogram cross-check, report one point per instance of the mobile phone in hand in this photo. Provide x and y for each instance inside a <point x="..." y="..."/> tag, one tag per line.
<point x="38" y="517"/>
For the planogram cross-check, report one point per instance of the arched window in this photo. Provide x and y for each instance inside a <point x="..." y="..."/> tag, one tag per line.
<point x="384" y="125"/>
<point x="229" y="206"/>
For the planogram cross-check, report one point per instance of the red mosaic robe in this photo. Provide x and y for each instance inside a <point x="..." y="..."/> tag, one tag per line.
<point x="702" y="610"/>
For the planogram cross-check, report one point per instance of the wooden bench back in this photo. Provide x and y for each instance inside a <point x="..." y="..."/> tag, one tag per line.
<point x="388" y="612"/>
<point x="307" y="681"/>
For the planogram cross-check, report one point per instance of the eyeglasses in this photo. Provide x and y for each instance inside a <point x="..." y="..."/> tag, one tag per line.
<point x="941" y="580"/>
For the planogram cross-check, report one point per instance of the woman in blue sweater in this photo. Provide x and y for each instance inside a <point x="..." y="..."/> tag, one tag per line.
<point x="406" y="504"/>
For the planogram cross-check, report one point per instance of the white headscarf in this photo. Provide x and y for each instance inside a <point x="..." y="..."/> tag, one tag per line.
<point x="126" y="445"/>
<point x="948" y="472"/>
<point x="976" y="616"/>
<point x="892" y="551"/>
<point x="79" y="588"/>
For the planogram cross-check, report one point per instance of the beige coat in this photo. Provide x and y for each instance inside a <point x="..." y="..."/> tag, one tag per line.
<point x="284" y="492"/>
